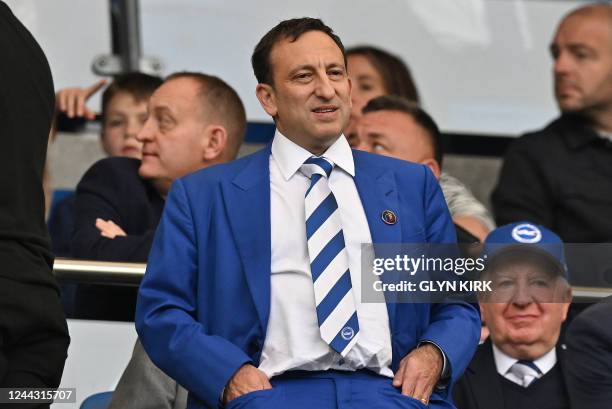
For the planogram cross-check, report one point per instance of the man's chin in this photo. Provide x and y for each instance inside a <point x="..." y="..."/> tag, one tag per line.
<point x="146" y="173"/>
<point x="327" y="132"/>
<point x="570" y="105"/>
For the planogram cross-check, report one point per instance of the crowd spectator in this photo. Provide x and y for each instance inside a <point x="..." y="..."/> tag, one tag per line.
<point x="522" y="363"/>
<point x="196" y="121"/>
<point x="560" y="176"/>
<point x="124" y="110"/>
<point x="394" y="126"/>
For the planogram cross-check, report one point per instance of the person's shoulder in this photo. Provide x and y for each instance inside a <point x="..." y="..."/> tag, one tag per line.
<point x="593" y="317"/>
<point x="116" y="165"/>
<point x="535" y="143"/>
<point x="112" y="174"/>
<point x="545" y="135"/>
<point x="366" y="159"/>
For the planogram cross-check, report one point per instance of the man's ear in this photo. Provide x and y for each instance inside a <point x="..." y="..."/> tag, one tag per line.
<point x="567" y="298"/>
<point x="267" y="98"/>
<point x="215" y="143"/>
<point x="434" y="166"/>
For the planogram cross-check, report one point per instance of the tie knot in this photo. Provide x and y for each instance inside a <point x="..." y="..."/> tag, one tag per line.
<point x="529" y="364"/>
<point x="317" y="166"/>
<point x="525" y="371"/>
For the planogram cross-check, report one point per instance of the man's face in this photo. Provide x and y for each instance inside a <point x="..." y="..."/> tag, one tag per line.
<point x="173" y="135"/>
<point x="124" y="118"/>
<point x="391" y="133"/>
<point x="310" y="98"/>
<point x="525" y="311"/>
<point x="582" y="52"/>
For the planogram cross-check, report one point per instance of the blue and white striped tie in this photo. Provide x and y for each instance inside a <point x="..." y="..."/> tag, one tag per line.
<point x="333" y="290"/>
<point x="525" y="371"/>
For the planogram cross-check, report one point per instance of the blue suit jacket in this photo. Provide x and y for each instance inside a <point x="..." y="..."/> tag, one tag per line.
<point x="204" y="302"/>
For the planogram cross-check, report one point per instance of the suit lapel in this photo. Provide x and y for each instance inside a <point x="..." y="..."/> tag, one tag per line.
<point x="378" y="192"/>
<point x="561" y="358"/>
<point x="247" y="200"/>
<point x="484" y="381"/>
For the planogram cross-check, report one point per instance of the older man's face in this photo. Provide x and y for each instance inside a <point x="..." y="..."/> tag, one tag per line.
<point x="525" y="311"/>
<point x="173" y="135"/>
<point x="582" y="53"/>
<point x="311" y="93"/>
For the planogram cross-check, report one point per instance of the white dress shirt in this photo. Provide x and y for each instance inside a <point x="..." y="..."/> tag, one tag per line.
<point x="293" y="340"/>
<point x="504" y="362"/>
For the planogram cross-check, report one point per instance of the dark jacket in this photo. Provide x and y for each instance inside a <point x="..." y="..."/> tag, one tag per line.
<point x="589" y="357"/>
<point x="112" y="190"/>
<point x="480" y="386"/>
<point x="27" y="104"/>
<point x="559" y="177"/>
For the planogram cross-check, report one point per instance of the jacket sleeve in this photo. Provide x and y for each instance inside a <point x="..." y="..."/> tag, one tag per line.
<point x="167" y="305"/>
<point x="454" y="326"/>
<point x="522" y="192"/>
<point x="99" y="195"/>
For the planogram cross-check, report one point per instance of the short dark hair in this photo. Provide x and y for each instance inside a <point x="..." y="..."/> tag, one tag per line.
<point x="422" y="118"/>
<point x="396" y="75"/>
<point x="221" y="103"/>
<point x="139" y="85"/>
<point x="287" y="29"/>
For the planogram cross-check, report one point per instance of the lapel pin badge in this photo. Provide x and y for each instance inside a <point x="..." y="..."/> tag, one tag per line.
<point x="389" y="217"/>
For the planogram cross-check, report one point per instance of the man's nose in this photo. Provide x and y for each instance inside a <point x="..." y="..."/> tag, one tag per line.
<point x="324" y="88"/>
<point x="563" y="63"/>
<point x="133" y="128"/>
<point x="522" y="296"/>
<point x="146" y="132"/>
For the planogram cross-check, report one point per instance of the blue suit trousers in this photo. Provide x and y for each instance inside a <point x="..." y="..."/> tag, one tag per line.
<point x="332" y="390"/>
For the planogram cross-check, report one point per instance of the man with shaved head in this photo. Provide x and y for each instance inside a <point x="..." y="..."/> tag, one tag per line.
<point x="560" y="176"/>
<point x="194" y="121"/>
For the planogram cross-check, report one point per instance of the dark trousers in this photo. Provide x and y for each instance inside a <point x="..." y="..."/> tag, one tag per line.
<point x="33" y="338"/>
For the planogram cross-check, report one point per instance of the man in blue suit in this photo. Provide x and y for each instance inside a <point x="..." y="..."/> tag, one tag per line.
<point x="252" y="293"/>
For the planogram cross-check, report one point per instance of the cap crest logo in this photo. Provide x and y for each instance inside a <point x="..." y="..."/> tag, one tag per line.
<point x="526" y="233"/>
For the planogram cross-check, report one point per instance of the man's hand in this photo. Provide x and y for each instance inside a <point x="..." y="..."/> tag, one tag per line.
<point x="419" y="372"/>
<point x="109" y="229"/>
<point x="72" y="101"/>
<point x="246" y="379"/>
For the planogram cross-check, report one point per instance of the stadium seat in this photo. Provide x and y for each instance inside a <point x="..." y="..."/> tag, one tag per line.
<point x="97" y="401"/>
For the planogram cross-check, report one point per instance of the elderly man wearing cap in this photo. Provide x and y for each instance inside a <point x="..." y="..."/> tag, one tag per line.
<point x="521" y="365"/>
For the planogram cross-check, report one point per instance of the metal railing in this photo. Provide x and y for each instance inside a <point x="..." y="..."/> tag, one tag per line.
<point x="101" y="272"/>
<point x="98" y="272"/>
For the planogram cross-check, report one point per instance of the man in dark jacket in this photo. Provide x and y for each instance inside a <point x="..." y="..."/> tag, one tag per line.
<point x="560" y="177"/>
<point x="33" y="332"/>
<point x="522" y="364"/>
<point x="196" y="120"/>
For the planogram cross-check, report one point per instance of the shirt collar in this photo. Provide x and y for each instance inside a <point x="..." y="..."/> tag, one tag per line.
<point x="503" y="362"/>
<point x="605" y="135"/>
<point x="290" y="156"/>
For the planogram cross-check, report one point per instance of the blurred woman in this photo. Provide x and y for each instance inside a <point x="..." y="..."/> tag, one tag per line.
<point x="375" y="72"/>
